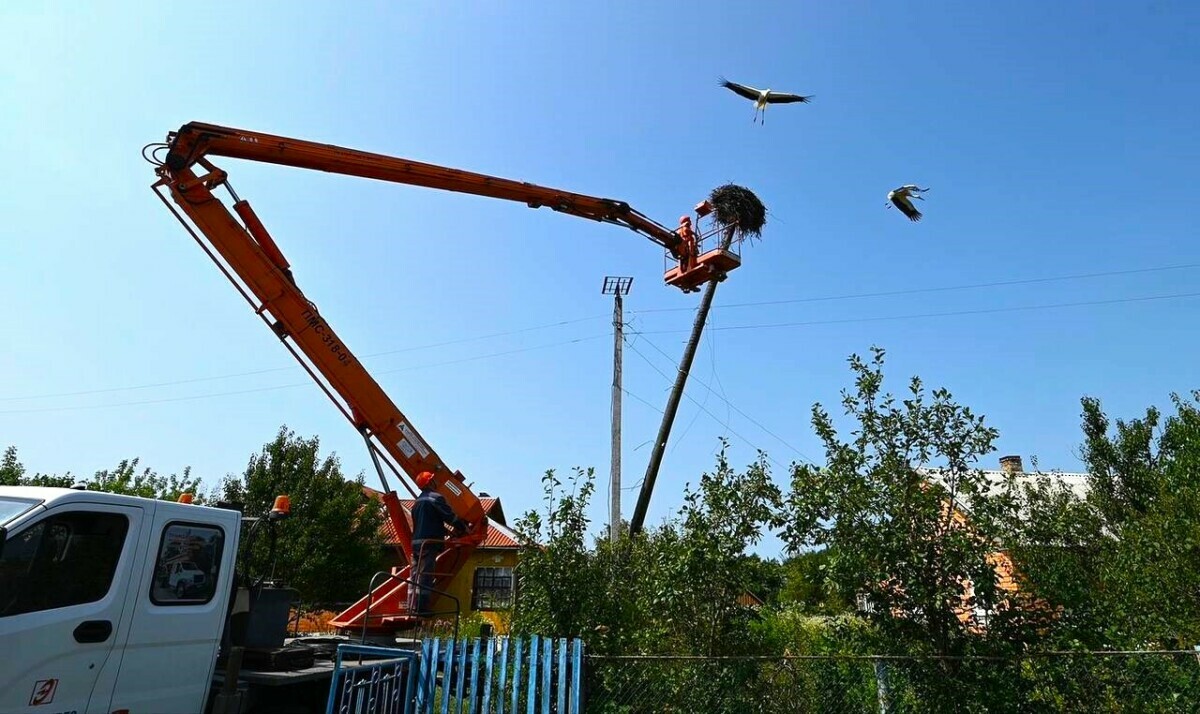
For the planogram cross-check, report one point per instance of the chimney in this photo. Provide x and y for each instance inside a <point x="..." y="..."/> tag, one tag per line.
<point x="1011" y="465"/>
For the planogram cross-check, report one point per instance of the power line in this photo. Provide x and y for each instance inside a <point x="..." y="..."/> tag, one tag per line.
<point x="733" y="406"/>
<point x="702" y="407"/>
<point x="956" y="313"/>
<point x="151" y="401"/>
<point x="490" y="355"/>
<point x="295" y="384"/>
<point x="937" y="289"/>
<point x="559" y="323"/>
<point x="194" y="380"/>
<point x="643" y="401"/>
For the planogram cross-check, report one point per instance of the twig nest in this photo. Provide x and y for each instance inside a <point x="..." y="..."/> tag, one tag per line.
<point x="739" y="208"/>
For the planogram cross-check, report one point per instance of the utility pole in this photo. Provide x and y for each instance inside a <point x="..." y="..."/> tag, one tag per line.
<point x="618" y="288"/>
<point x="685" y="367"/>
<point x="664" y="430"/>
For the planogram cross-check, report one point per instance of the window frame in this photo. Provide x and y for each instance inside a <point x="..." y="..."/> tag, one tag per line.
<point x="493" y="590"/>
<point x="52" y="519"/>
<point x="29" y="503"/>
<point x="158" y="561"/>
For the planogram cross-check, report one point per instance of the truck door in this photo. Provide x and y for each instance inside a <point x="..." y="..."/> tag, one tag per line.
<point x="179" y="612"/>
<point x="63" y="591"/>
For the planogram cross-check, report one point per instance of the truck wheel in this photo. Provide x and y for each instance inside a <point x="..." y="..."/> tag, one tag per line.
<point x="180" y="589"/>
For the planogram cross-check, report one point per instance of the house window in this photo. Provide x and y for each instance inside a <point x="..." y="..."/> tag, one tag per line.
<point x="492" y="589"/>
<point x="188" y="565"/>
<point x="67" y="559"/>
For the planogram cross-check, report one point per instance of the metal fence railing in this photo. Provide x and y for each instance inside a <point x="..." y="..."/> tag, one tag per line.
<point x="1046" y="682"/>
<point x="517" y="675"/>
<point x="382" y="681"/>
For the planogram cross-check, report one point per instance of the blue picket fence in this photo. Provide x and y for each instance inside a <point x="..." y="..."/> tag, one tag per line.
<point x="526" y="675"/>
<point x="372" y="680"/>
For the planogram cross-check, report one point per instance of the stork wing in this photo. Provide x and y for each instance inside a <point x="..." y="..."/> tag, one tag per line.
<point x="740" y="89"/>
<point x="778" y="98"/>
<point x="906" y="207"/>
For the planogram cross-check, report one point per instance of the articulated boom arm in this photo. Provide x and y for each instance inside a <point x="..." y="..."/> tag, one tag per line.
<point x="194" y="141"/>
<point x="264" y="277"/>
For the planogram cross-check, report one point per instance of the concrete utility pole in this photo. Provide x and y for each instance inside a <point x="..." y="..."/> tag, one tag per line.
<point x="685" y="367"/>
<point x="618" y="288"/>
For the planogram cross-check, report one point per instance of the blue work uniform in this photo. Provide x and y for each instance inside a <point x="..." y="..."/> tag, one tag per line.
<point x="431" y="514"/>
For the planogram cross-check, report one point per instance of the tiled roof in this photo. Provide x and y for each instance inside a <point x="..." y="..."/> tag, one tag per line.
<point x="498" y="534"/>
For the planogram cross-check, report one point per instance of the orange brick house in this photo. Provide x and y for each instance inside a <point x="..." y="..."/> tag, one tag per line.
<point x="486" y="582"/>
<point x="1008" y="576"/>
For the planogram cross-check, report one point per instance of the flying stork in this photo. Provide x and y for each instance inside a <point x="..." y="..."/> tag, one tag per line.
<point x="900" y="198"/>
<point x="762" y="97"/>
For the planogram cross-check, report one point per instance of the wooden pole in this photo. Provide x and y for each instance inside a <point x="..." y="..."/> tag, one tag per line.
<point x="668" y="420"/>
<point x="614" y="517"/>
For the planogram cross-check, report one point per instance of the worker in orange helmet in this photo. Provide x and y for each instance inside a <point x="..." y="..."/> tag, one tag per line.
<point x="431" y="514"/>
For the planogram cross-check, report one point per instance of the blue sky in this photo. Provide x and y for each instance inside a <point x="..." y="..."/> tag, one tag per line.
<point x="1058" y="140"/>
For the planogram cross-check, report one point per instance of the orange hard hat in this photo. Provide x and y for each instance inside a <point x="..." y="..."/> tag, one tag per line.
<point x="423" y="479"/>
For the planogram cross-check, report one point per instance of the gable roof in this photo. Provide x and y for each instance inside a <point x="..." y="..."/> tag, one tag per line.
<point x="1076" y="482"/>
<point x="499" y="535"/>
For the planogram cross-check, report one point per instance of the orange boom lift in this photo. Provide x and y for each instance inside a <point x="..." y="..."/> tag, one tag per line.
<point x="245" y="252"/>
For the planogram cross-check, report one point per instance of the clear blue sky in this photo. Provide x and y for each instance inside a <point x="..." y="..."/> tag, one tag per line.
<point x="1058" y="139"/>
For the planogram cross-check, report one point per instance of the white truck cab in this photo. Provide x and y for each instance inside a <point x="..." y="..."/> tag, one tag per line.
<point x="110" y="603"/>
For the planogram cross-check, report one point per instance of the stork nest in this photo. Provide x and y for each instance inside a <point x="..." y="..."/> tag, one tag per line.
<point x="739" y="208"/>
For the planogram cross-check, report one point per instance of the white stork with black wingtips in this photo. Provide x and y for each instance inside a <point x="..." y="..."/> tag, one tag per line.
<point x="762" y="97"/>
<point x="902" y="198"/>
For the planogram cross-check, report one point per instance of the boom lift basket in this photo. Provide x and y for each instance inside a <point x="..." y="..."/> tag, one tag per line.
<point x="707" y="252"/>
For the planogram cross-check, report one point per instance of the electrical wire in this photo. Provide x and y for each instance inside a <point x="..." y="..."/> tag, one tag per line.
<point x="295" y="384"/>
<point x="291" y="368"/>
<point x="559" y="323"/>
<point x="888" y="293"/>
<point x="937" y="289"/>
<point x="714" y="417"/>
<point x="955" y="313"/>
<point x="643" y="401"/>
<point x="734" y="407"/>
<point x="642" y="335"/>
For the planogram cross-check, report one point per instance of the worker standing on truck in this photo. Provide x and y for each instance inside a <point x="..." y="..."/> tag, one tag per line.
<point x="431" y="514"/>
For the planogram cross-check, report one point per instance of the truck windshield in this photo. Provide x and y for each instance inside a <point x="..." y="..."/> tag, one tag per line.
<point x="10" y="508"/>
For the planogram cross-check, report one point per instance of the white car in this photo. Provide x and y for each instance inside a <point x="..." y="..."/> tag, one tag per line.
<point x="183" y="576"/>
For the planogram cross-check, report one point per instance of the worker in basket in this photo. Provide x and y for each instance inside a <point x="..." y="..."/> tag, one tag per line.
<point x="431" y="514"/>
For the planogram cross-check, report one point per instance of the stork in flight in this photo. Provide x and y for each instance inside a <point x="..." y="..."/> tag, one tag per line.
<point x="901" y="198"/>
<point x="762" y="97"/>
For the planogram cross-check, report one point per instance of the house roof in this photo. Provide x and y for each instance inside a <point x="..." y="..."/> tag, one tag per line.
<point x="749" y="599"/>
<point x="499" y="535"/>
<point x="1077" y="483"/>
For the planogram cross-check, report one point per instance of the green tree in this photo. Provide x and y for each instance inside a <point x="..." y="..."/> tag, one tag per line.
<point x="1057" y="543"/>
<point x="807" y="587"/>
<point x="329" y="548"/>
<point x="1144" y="488"/>
<point x="560" y="580"/>
<point x="766" y="578"/>
<point x="721" y="519"/>
<point x="674" y="588"/>
<point x="1120" y="566"/>
<point x="124" y="479"/>
<point x="12" y="471"/>
<point x="128" y="480"/>
<point x="890" y="523"/>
